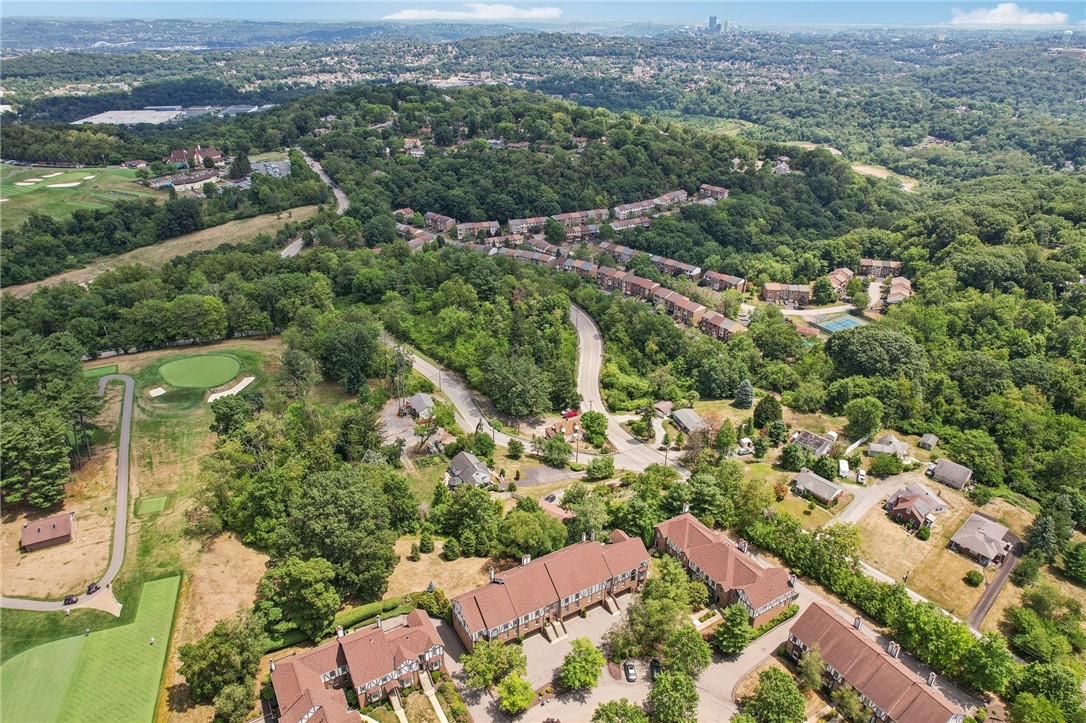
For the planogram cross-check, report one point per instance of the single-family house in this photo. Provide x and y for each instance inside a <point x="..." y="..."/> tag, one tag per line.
<point x="555" y="511"/>
<point x="951" y="474"/>
<point x="51" y="531"/>
<point x="888" y="444"/>
<point x="878" y="268"/>
<point x="720" y="282"/>
<point x="663" y="409"/>
<point x="816" y="444"/>
<point x="539" y="594"/>
<point x="891" y="692"/>
<point x="775" y="293"/>
<point x="687" y="420"/>
<point x="807" y="483"/>
<point x="466" y="468"/>
<point x="730" y="574"/>
<point x="914" y="505"/>
<point x="928" y="441"/>
<point x="376" y="662"/>
<point x="567" y="429"/>
<point x="420" y="406"/>
<point x="983" y="539"/>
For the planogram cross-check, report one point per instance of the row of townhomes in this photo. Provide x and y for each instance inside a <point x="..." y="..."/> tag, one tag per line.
<point x="376" y="661"/>
<point x="732" y="576"/>
<point x="889" y="689"/>
<point x="539" y="594"/>
<point x="900" y="288"/>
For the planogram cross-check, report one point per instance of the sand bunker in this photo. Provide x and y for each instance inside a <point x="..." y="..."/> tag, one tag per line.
<point x="31" y="182"/>
<point x="53" y="175"/>
<point x="73" y="184"/>
<point x="157" y="392"/>
<point x="88" y="178"/>
<point x="232" y="390"/>
<point x="2" y="200"/>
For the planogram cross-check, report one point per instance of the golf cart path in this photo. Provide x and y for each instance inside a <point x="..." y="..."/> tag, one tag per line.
<point x="103" y="599"/>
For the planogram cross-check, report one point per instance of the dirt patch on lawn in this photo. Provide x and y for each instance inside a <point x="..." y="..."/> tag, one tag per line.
<point x="456" y="577"/>
<point x="64" y="569"/>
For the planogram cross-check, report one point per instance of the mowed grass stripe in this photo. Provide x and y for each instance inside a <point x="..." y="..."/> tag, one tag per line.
<point x="34" y="684"/>
<point x="200" y="372"/>
<point x="111" y="675"/>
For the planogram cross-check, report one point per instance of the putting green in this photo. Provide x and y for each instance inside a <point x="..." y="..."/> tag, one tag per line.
<point x="112" y="674"/>
<point x="151" y="505"/>
<point x="200" y="372"/>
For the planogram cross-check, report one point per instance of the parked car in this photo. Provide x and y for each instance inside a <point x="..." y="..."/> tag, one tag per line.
<point x="930" y="471"/>
<point x="93" y="588"/>
<point x="570" y="413"/>
<point x="655" y="668"/>
<point x="630" y="671"/>
<point x="861" y="476"/>
<point x="551" y="498"/>
<point x="70" y="600"/>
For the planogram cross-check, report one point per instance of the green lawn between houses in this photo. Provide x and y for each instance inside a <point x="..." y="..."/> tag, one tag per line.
<point x="111" y="674"/>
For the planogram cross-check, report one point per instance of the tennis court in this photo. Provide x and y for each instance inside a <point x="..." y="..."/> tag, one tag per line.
<point x="832" y="326"/>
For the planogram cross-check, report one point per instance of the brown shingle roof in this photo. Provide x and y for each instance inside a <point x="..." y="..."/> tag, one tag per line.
<point x="872" y="671"/>
<point x="51" y="528"/>
<point x="374" y="651"/>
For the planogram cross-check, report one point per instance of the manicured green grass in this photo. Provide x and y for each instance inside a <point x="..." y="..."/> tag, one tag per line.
<point x="200" y="372"/>
<point x="97" y="372"/>
<point x="151" y="505"/>
<point x="108" y="186"/>
<point x="111" y="674"/>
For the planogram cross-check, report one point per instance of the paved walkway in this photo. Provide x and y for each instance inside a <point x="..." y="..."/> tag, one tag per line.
<point x="103" y="599"/>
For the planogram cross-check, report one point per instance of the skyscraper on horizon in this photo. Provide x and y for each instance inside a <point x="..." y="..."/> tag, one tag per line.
<point x="714" y="26"/>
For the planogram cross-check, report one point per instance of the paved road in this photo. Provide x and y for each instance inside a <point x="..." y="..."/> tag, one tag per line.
<point x="984" y="605"/>
<point x="341" y="198"/>
<point x="120" y="523"/>
<point x="630" y="452"/>
<point x="292" y="249"/>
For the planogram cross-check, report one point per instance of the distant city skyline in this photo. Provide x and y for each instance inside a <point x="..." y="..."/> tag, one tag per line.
<point x="542" y="14"/>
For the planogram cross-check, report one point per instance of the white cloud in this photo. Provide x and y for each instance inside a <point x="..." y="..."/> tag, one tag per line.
<point x="1007" y="14"/>
<point x="480" y="11"/>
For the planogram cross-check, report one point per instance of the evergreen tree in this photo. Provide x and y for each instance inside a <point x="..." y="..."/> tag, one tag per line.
<point x="767" y="411"/>
<point x="744" y="394"/>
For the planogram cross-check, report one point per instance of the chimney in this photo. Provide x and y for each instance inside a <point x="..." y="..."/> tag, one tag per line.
<point x="686" y="507"/>
<point x="339" y="631"/>
<point x="378" y="622"/>
<point x="792" y="580"/>
<point x="492" y="574"/>
<point x="931" y="679"/>
<point x="525" y="559"/>
<point x="272" y="666"/>
<point x="593" y="536"/>
<point x="858" y="622"/>
<point x="584" y="536"/>
<point x="742" y="545"/>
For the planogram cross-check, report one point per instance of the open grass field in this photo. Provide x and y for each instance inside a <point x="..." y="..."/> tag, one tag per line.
<point x="110" y="674"/>
<point x="200" y="372"/>
<point x="234" y="232"/>
<point x="28" y="191"/>
<point x="97" y="372"/>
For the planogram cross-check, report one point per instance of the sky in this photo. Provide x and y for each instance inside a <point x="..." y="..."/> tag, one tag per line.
<point x="969" y="13"/>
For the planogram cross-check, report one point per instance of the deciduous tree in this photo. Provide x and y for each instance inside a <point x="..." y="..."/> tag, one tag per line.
<point x="581" y="666"/>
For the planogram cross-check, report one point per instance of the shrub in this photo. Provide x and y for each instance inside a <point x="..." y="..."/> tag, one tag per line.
<point x="885" y="465"/>
<point x="601" y="468"/>
<point x="576" y="467"/>
<point x="413" y="556"/>
<point x="923" y="533"/>
<point x="516" y="449"/>
<point x="451" y="549"/>
<point x="974" y="578"/>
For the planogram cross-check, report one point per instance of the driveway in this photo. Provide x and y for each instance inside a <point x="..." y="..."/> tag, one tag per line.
<point x="874" y="292"/>
<point x="864" y="497"/>
<point x="103" y="599"/>
<point x="991" y="592"/>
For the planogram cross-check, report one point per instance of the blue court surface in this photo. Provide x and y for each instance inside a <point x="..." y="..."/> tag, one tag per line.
<point x="841" y="323"/>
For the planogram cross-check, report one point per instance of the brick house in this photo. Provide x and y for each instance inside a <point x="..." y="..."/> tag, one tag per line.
<point x="732" y="576"/>
<point x="539" y="594"/>
<point x="609" y="279"/>
<point x="719" y="326"/>
<point x="688" y="312"/>
<point x="776" y="293"/>
<point x="838" y="278"/>
<point x="717" y="192"/>
<point x="885" y="685"/>
<point x="983" y="540"/>
<point x="676" y="268"/>
<point x="472" y="230"/>
<point x="721" y="282"/>
<point x="620" y="253"/>
<point x="634" y="285"/>
<point x="439" y="223"/>
<point x="376" y="662"/>
<point x="878" y="268"/>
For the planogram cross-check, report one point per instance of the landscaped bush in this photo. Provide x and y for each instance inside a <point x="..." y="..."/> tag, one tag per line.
<point x="923" y="533"/>
<point x="885" y="465"/>
<point x="974" y="578"/>
<point x="788" y="614"/>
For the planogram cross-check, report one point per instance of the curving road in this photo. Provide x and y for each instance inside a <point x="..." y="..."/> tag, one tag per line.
<point x="120" y="523"/>
<point x="342" y="204"/>
<point x="630" y="452"/>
